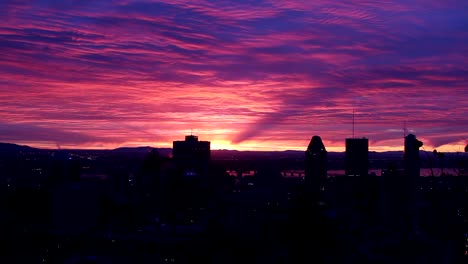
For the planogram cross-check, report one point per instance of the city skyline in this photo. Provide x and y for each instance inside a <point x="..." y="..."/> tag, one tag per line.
<point x="245" y="75"/>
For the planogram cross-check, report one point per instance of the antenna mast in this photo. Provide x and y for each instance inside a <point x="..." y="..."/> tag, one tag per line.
<point x="404" y="129"/>
<point x="353" y="122"/>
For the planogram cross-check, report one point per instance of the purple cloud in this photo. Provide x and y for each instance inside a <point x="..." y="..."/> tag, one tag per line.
<point x="271" y="72"/>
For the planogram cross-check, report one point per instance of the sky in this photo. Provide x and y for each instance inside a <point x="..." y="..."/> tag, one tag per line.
<point x="245" y="74"/>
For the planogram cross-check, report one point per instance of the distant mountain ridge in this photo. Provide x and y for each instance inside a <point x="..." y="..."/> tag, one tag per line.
<point x="219" y="154"/>
<point x="15" y="147"/>
<point x="288" y="158"/>
<point x="216" y="154"/>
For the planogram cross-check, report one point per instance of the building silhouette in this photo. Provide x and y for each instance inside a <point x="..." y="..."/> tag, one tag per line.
<point x="411" y="209"/>
<point x="315" y="165"/>
<point x="192" y="155"/>
<point x="411" y="156"/>
<point x="357" y="157"/>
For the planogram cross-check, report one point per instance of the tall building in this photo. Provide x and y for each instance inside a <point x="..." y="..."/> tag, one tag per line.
<point x="315" y="165"/>
<point x="192" y="155"/>
<point x="357" y="157"/>
<point x="412" y="209"/>
<point x="411" y="156"/>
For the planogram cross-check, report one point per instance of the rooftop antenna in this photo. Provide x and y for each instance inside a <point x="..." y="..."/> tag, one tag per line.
<point x="404" y="129"/>
<point x="191" y="132"/>
<point x="353" y="122"/>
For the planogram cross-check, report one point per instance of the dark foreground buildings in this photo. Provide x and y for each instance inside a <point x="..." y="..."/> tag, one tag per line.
<point x="145" y="207"/>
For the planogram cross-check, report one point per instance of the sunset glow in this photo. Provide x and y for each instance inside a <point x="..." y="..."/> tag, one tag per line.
<point x="246" y="75"/>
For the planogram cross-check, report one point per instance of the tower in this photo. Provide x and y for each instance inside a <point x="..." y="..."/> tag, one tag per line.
<point x="192" y="155"/>
<point x="191" y="179"/>
<point x="357" y="157"/>
<point x="315" y="165"/>
<point x="411" y="156"/>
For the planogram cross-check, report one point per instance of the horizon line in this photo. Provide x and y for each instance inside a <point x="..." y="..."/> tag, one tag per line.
<point x="216" y="149"/>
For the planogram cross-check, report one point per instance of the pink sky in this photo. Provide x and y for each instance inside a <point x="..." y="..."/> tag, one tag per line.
<point x="257" y="75"/>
